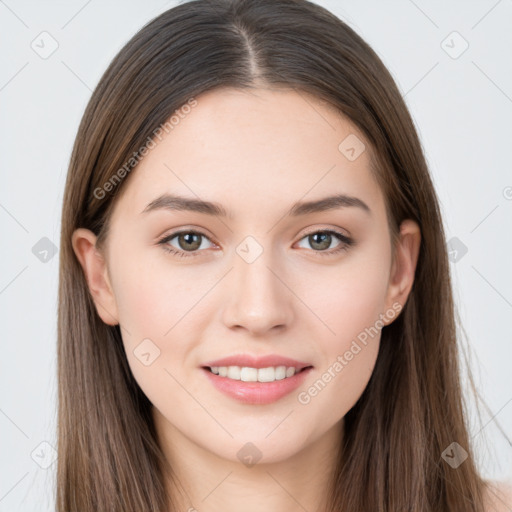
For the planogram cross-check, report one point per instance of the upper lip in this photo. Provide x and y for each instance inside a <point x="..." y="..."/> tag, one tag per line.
<point x="258" y="362"/>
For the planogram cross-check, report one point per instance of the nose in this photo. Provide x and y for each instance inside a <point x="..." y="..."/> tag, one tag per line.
<point x="259" y="299"/>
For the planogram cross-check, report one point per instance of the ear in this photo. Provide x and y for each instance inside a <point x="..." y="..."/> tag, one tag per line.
<point x="96" y="274"/>
<point x="403" y="268"/>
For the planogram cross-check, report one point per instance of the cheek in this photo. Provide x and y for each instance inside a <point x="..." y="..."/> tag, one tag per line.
<point x="164" y="304"/>
<point x="153" y="308"/>
<point x="348" y="354"/>
<point x="143" y="307"/>
<point x="348" y="298"/>
<point x="153" y="295"/>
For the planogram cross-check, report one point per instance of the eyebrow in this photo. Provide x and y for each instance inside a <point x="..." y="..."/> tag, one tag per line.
<point x="177" y="203"/>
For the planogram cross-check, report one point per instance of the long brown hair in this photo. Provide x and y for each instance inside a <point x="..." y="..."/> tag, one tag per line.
<point x="412" y="409"/>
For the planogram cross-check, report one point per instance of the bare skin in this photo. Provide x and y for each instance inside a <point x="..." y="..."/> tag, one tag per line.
<point x="256" y="153"/>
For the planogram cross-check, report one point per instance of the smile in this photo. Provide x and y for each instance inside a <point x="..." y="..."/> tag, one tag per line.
<point x="249" y="374"/>
<point x="267" y="387"/>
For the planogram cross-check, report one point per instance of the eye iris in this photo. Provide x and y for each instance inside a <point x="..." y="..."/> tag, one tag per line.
<point x="326" y="240"/>
<point x="188" y="238"/>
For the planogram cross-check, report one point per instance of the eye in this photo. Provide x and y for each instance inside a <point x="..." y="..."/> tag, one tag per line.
<point x="188" y="242"/>
<point x="321" y="240"/>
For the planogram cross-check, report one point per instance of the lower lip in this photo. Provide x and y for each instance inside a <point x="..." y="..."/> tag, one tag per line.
<point x="257" y="393"/>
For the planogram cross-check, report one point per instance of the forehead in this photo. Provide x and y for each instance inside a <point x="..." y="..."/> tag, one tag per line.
<point x="243" y="148"/>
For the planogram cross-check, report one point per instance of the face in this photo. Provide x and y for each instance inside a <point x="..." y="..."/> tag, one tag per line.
<point x="280" y="285"/>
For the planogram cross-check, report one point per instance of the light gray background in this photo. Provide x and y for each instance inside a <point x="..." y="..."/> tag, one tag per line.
<point x="462" y="107"/>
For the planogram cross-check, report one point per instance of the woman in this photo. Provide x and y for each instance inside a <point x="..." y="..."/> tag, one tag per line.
<point x="255" y="304"/>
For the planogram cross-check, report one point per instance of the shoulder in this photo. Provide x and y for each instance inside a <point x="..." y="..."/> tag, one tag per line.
<point x="498" y="496"/>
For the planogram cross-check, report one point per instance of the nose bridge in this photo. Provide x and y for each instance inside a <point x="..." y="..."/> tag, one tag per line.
<point x="258" y="300"/>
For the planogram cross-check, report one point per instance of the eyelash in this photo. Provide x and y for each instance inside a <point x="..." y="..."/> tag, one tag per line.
<point x="346" y="242"/>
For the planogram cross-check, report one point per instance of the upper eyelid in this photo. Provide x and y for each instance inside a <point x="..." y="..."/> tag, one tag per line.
<point x="167" y="238"/>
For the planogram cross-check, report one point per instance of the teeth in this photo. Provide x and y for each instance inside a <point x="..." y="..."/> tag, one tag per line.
<point x="234" y="372"/>
<point x="248" y="374"/>
<point x="281" y="372"/>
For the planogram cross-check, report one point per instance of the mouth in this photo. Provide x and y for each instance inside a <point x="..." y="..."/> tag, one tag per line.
<point x="251" y="374"/>
<point x="256" y="381"/>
